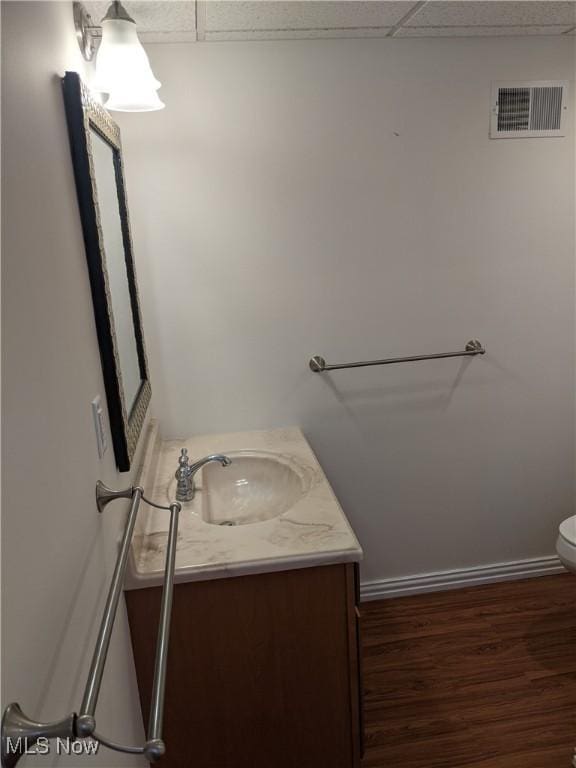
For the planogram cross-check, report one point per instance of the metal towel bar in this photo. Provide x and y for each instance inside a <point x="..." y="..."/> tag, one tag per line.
<point x="20" y="733"/>
<point x="473" y="347"/>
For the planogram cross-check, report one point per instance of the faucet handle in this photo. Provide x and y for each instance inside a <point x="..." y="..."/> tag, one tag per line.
<point x="184" y="470"/>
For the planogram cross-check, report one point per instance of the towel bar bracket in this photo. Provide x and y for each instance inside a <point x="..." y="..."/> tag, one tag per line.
<point x="105" y="495"/>
<point x="20" y="733"/>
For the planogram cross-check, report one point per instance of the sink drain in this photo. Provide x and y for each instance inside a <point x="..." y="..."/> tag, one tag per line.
<point x="228" y="523"/>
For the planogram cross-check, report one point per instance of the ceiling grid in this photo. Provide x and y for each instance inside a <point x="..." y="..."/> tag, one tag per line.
<point x="193" y="20"/>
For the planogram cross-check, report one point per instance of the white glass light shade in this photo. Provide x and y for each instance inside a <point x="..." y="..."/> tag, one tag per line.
<point x="133" y="100"/>
<point x="122" y="64"/>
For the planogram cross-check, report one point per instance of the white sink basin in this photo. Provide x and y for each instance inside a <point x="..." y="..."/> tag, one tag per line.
<point x="257" y="486"/>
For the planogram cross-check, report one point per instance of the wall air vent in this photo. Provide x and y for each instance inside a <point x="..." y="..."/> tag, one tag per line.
<point x="528" y="110"/>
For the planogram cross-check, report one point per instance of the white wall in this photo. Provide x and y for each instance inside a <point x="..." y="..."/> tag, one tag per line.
<point x="57" y="552"/>
<point x="342" y="198"/>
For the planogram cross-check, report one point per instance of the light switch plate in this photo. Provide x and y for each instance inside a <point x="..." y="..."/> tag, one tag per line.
<point x="99" y="426"/>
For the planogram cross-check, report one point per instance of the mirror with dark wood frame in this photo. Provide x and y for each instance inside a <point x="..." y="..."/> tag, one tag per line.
<point x="97" y="160"/>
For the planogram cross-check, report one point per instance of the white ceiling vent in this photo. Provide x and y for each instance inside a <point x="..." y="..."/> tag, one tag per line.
<point x="533" y="109"/>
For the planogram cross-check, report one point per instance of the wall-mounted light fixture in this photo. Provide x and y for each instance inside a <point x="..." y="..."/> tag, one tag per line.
<point x="123" y="71"/>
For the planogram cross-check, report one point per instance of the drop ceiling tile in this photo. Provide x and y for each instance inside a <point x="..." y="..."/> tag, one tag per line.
<point x="165" y="16"/>
<point x="167" y="37"/>
<point x="296" y="34"/>
<point x="480" y="31"/>
<point x="175" y="20"/>
<point x="237" y="15"/>
<point x="494" y="13"/>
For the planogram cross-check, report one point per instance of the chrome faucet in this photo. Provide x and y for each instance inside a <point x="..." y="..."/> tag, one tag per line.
<point x="186" y="487"/>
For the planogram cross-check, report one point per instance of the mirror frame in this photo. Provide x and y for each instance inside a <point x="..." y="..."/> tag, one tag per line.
<point x="84" y="114"/>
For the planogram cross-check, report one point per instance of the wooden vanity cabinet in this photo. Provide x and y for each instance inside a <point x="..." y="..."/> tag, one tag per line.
<point x="263" y="670"/>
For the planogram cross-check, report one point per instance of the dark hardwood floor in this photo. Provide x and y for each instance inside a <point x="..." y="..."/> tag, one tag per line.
<point x="474" y="678"/>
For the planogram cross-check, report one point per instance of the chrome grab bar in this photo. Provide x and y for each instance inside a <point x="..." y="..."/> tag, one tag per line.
<point x="473" y="347"/>
<point x="20" y="733"/>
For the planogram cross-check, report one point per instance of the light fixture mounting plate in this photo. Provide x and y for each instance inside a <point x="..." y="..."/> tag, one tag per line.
<point x="86" y="31"/>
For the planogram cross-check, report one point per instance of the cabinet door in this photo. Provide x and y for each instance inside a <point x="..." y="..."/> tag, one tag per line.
<point x="262" y="670"/>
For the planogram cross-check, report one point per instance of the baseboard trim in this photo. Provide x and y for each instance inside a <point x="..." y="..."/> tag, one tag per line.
<point x="439" y="581"/>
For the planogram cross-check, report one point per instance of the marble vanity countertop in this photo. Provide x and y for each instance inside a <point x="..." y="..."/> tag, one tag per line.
<point x="314" y="531"/>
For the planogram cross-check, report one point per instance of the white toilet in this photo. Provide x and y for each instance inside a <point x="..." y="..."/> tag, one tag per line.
<point x="566" y="544"/>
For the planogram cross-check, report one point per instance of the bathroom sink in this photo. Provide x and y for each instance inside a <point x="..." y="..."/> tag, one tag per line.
<point x="257" y="486"/>
<point x="254" y="488"/>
